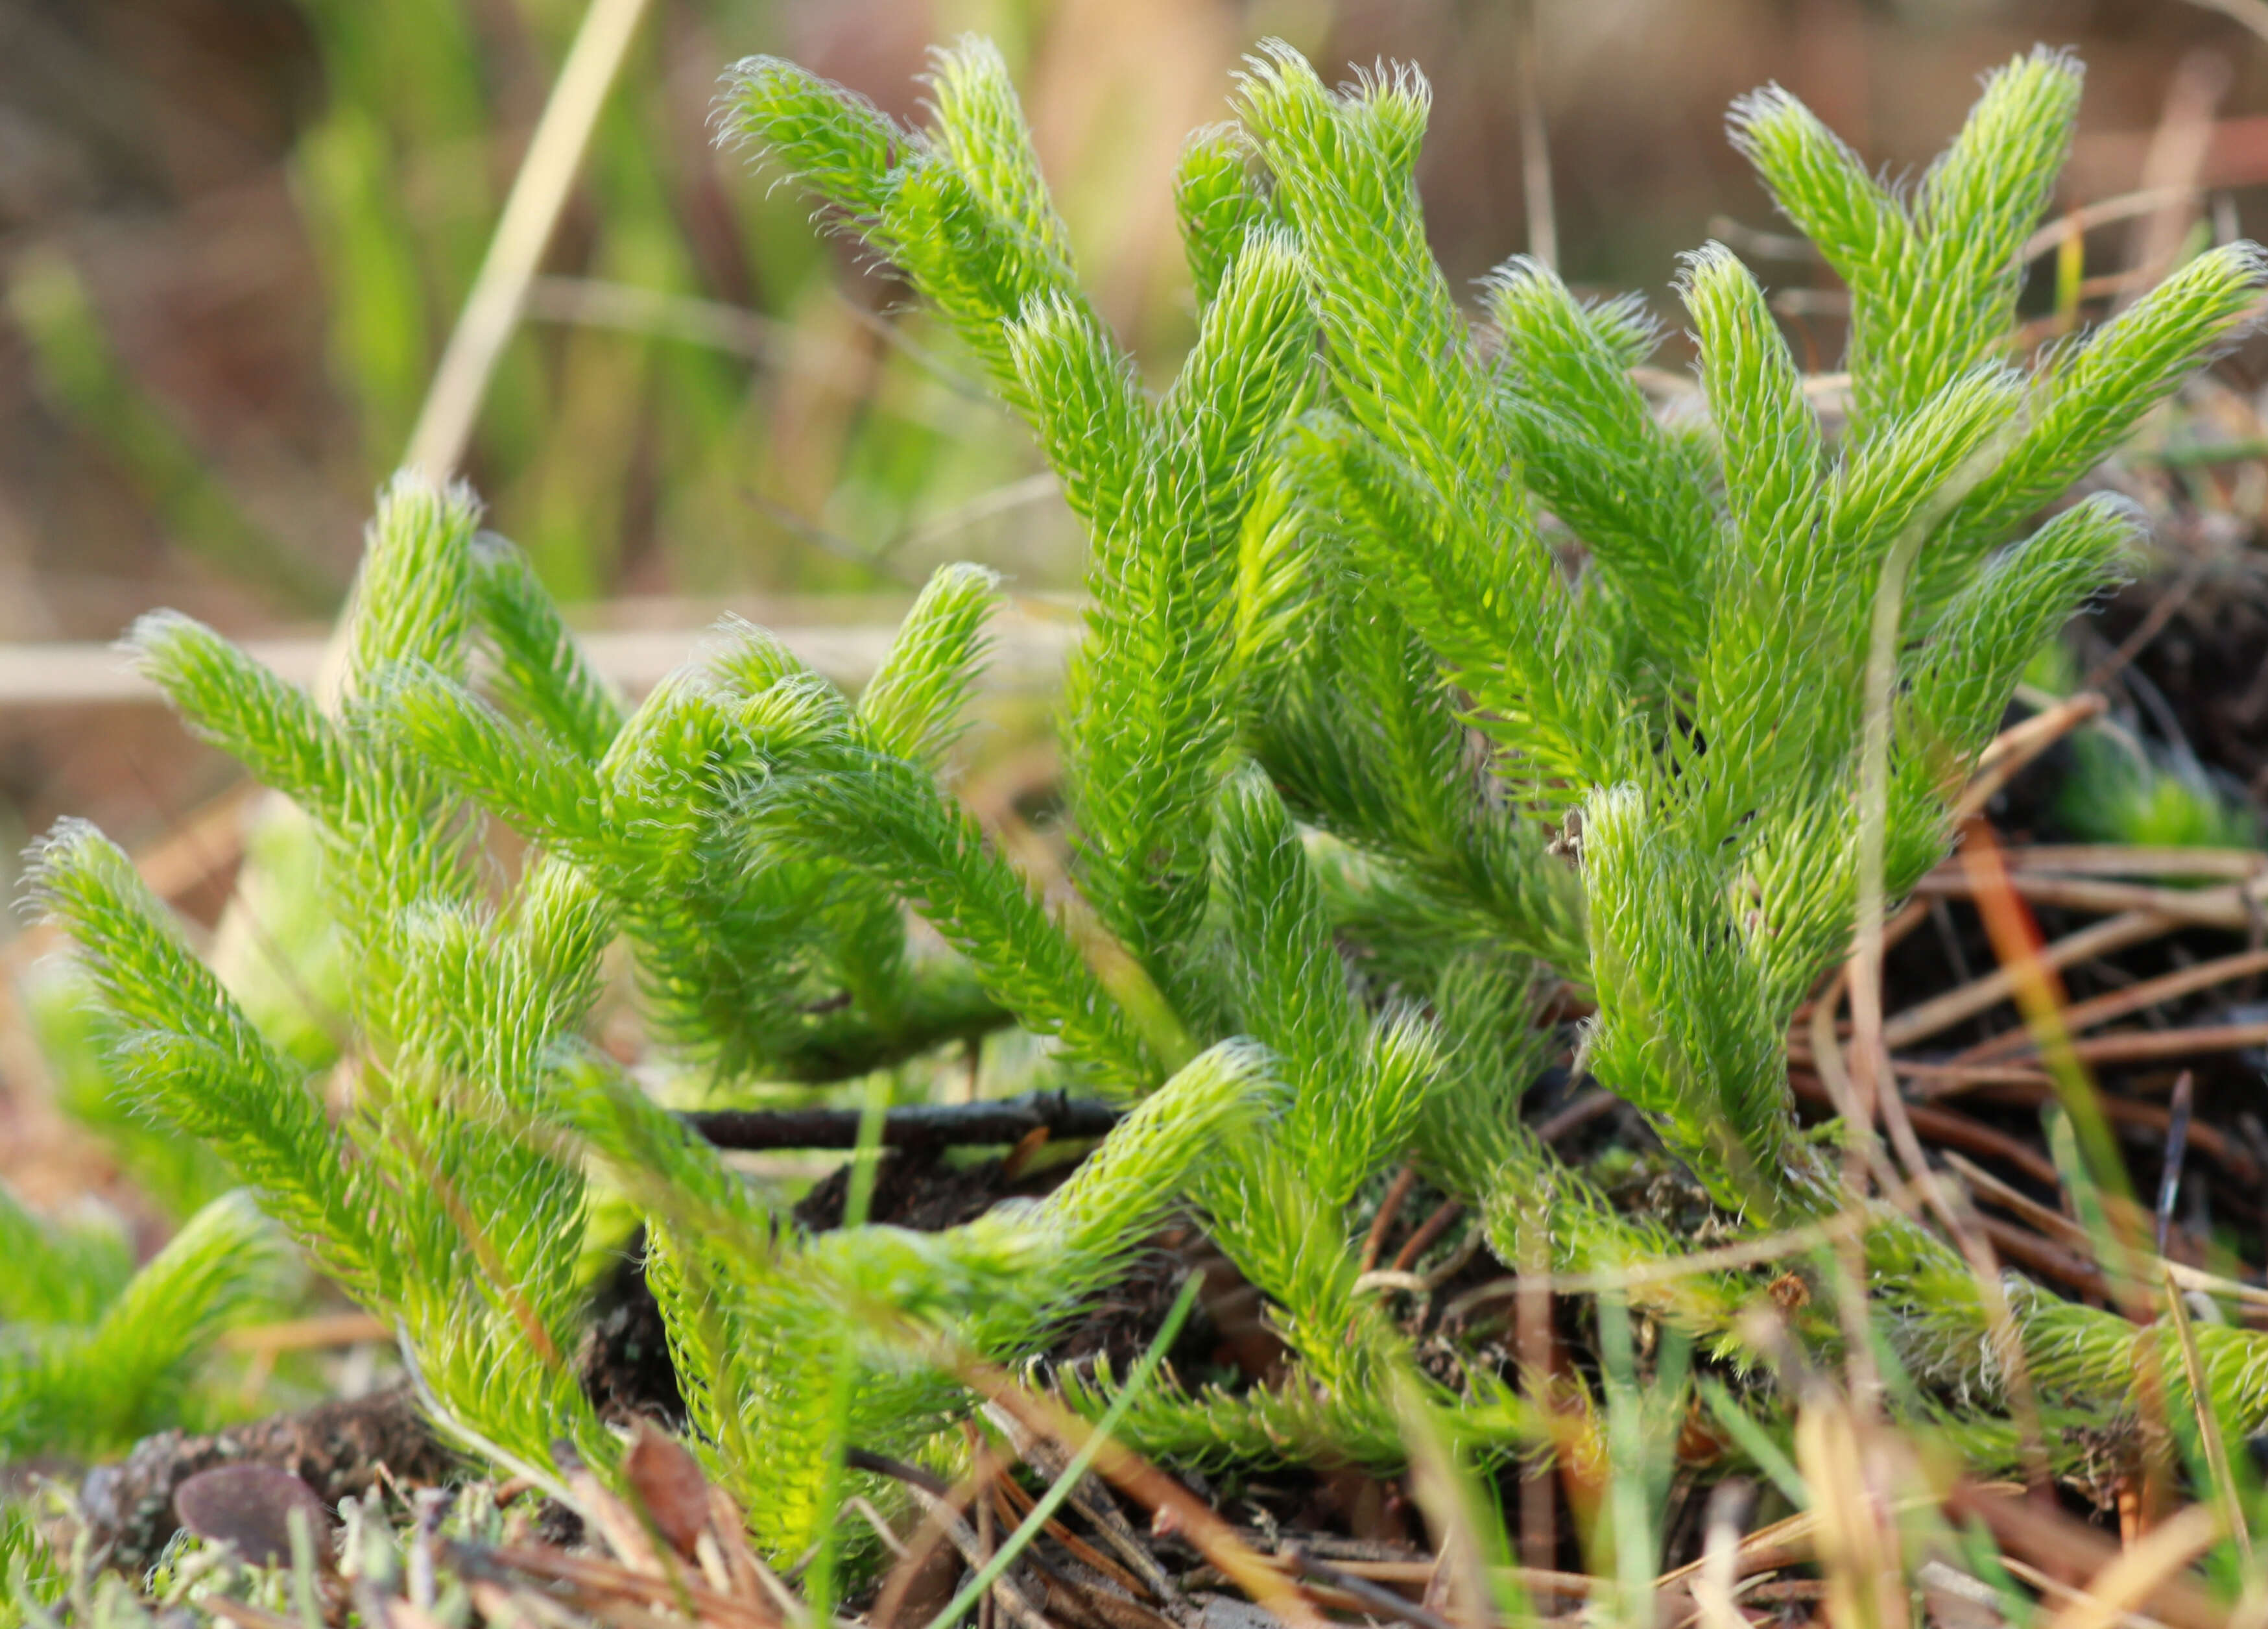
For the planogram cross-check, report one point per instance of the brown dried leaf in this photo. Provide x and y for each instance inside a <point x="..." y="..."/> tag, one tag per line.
<point x="666" y="1480"/>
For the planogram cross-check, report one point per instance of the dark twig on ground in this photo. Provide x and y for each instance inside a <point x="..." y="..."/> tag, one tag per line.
<point x="914" y="1125"/>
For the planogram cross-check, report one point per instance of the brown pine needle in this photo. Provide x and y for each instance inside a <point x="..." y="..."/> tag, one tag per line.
<point x="2132" y="1578"/>
<point x="2231" y="908"/>
<point x="2121" y="860"/>
<point x="1848" y="1222"/>
<point x="2148" y="1045"/>
<point x="1388" y="1209"/>
<point x="2084" y="1016"/>
<point x="1942" y="1012"/>
<point x="2018" y="745"/>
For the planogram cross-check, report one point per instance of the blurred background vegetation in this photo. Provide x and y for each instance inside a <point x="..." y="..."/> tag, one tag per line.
<point x="235" y="235"/>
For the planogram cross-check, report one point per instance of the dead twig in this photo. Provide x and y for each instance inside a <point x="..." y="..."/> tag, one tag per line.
<point x="1092" y="1501"/>
<point x="1375" y="1599"/>
<point x="1925" y="1019"/>
<point x="531" y="211"/>
<point x="1534" y="144"/>
<point x="2175" y="159"/>
<point x="1388" y="1209"/>
<point x="594" y="1574"/>
<point x="2231" y="908"/>
<point x="1214" y="1538"/>
<point x="2120" y="859"/>
<point x="911" y="1125"/>
<point x="2044" y="1259"/>
<point x="1942" y="1125"/>
<point x="2209" y="1140"/>
<point x="1432" y="1229"/>
<point x="2107" y="211"/>
<point x="2147" y="1045"/>
<point x="2177" y="1142"/>
<point x="1017" y="1504"/>
<point x="940" y="1509"/>
<point x="1950" y="1079"/>
<point x="1587" y="1107"/>
<point x="1992" y="1191"/>
<point x="2083" y="1015"/>
<point x="2018" y="745"/>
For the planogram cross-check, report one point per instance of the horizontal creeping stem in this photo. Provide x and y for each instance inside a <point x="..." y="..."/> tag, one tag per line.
<point x="925" y="1126"/>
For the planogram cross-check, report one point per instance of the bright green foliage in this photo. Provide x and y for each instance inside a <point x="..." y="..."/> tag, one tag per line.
<point x="179" y="1176"/>
<point x="885" y="817"/>
<point x="2118" y="792"/>
<point x="93" y="1353"/>
<point x="757" y="1319"/>
<point x="450" y="1193"/>
<point x="1359" y="764"/>
<point x="28" y="1572"/>
<point x="1162" y="485"/>
<point x="61" y="1274"/>
<point x="1693" y="697"/>
<point x="916" y="706"/>
<point x="1356" y="1087"/>
<point x="1217" y="203"/>
<point x="1684" y="710"/>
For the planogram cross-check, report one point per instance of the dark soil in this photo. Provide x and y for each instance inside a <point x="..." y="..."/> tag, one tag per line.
<point x="624" y="1362"/>
<point x="2207" y="663"/>
<point x="336" y="1450"/>
<point x="921" y="1189"/>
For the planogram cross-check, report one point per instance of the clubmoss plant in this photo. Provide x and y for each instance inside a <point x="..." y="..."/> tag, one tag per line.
<point x="1357" y="767"/>
<point x="2123" y="792"/>
<point x="94" y="1353"/>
